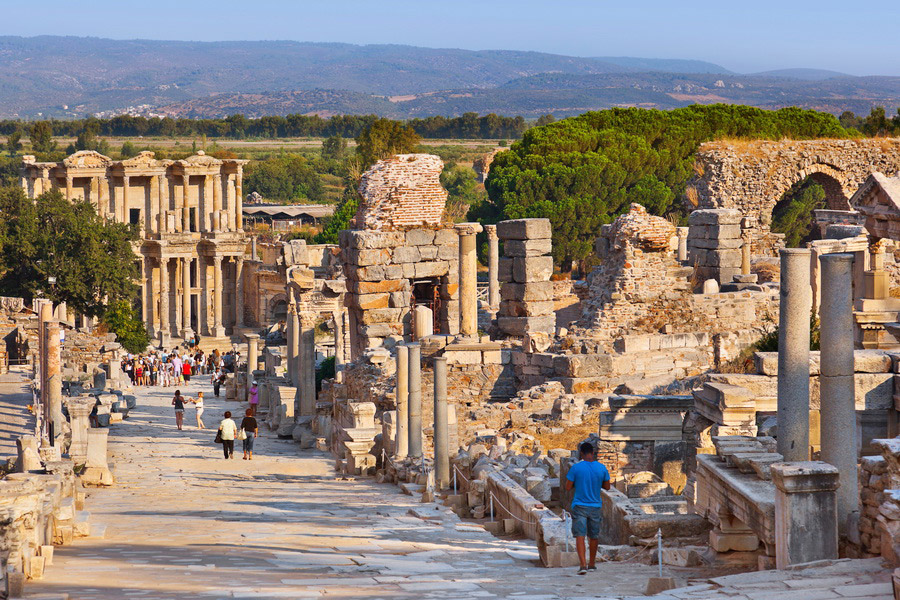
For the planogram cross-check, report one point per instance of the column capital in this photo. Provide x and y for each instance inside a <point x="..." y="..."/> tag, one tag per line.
<point x="468" y="228"/>
<point x="491" y="231"/>
<point x="805" y="476"/>
<point x="307" y="320"/>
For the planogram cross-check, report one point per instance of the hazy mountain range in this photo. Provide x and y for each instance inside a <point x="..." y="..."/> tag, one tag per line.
<point x="72" y="77"/>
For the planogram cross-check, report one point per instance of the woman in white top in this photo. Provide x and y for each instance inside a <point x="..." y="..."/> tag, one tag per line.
<point x="198" y="404"/>
<point x="227" y="430"/>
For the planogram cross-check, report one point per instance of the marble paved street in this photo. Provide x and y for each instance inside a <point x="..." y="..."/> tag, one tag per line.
<point x="182" y="522"/>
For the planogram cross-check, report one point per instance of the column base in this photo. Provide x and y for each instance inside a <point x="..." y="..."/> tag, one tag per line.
<point x="187" y="333"/>
<point x="218" y="331"/>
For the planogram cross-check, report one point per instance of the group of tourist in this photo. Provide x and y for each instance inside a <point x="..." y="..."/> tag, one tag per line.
<point x="174" y="368"/>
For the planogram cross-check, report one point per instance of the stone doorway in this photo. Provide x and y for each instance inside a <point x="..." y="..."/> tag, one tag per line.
<point x="427" y="292"/>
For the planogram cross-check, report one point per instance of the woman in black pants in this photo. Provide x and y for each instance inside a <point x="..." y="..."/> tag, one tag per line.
<point x="227" y="430"/>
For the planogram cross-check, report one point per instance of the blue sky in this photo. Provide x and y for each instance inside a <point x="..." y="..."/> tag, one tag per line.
<point x="742" y="35"/>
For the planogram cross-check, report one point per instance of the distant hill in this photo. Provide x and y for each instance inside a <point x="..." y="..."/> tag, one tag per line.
<point x="804" y="74"/>
<point x="66" y="77"/>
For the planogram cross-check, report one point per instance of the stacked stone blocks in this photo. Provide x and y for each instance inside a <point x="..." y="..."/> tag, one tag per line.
<point x="526" y="292"/>
<point x="714" y="244"/>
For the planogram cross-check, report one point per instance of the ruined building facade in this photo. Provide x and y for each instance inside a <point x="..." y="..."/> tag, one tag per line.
<point x="192" y="240"/>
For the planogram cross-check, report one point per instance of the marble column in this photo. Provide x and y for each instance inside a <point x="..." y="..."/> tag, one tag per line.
<point x="293" y="344"/>
<point x="149" y="297"/>
<point x="186" y="210"/>
<point x="745" y="252"/>
<point x="68" y="188"/>
<point x="339" y="356"/>
<point x="186" y="331"/>
<point x="79" y="414"/>
<point x="493" y="267"/>
<point x="307" y="365"/>
<point x="253" y="251"/>
<point x="124" y="214"/>
<point x="53" y="380"/>
<point x="151" y="223"/>
<point x="45" y="314"/>
<point x="441" y="425"/>
<point x="252" y="355"/>
<point x="682" y="233"/>
<point x="415" y="400"/>
<point x="164" y="327"/>
<point x="217" y="197"/>
<point x="218" y="330"/>
<point x="793" y="354"/>
<point x="103" y="198"/>
<point x="162" y="204"/>
<point x="239" y="199"/>
<point x="238" y="292"/>
<point x="401" y="445"/>
<point x="468" y="273"/>
<point x="836" y="381"/>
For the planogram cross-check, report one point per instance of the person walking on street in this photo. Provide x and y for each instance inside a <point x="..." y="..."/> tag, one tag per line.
<point x="254" y="399"/>
<point x="186" y="370"/>
<point x="198" y="404"/>
<point x="251" y="430"/>
<point x="587" y="477"/>
<point x="227" y="431"/>
<point x="178" y="403"/>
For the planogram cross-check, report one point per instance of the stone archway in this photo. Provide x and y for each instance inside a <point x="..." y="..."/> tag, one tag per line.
<point x="276" y="311"/>
<point x="752" y="176"/>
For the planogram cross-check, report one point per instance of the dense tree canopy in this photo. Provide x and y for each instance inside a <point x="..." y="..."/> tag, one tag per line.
<point x="50" y="238"/>
<point x="584" y="171"/>
<point x="286" y="178"/>
<point x="793" y="215"/>
<point x="467" y="126"/>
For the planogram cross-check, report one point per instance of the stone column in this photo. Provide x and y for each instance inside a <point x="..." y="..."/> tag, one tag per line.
<point x="45" y="314"/>
<point x="253" y="254"/>
<point x="217" y="197"/>
<point x="793" y="354"/>
<point x="745" y="252"/>
<point x="252" y="355"/>
<point x="218" y="330"/>
<point x="53" y="380"/>
<point x="162" y="204"/>
<point x="124" y="215"/>
<point x="468" y="266"/>
<point x="307" y="387"/>
<point x="150" y="220"/>
<point x="401" y="446"/>
<point x="186" y="331"/>
<point x="415" y="400"/>
<point x="838" y="411"/>
<point x="441" y="425"/>
<point x="68" y="188"/>
<point x="164" y="327"/>
<point x="239" y="199"/>
<point x="805" y="512"/>
<point x="238" y="292"/>
<point x="149" y="298"/>
<point x="62" y="312"/>
<point x="293" y="343"/>
<point x="682" y="233"/>
<point x="103" y="198"/>
<point x="339" y="356"/>
<point x="493" y="267"/>
<point x="185" y="210"/>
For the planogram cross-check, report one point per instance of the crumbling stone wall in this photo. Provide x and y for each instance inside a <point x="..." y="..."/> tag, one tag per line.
<point x="714" y="244"/>
<point x="751" y="176"/>
<point x="526" y="292"/>
<point x="401" y="192"/>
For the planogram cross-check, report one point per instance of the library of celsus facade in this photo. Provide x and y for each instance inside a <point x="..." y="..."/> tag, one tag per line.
<point x="192" y="245"/>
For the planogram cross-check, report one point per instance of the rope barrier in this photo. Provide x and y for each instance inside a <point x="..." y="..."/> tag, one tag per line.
<point x="509" y="512"/>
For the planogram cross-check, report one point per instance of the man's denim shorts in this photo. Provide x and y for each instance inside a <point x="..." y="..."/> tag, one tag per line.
<point x="586" y="521"/>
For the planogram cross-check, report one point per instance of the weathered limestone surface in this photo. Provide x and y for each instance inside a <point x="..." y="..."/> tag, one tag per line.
<point x="401" y="192"/>
<point x="526" y="292"/>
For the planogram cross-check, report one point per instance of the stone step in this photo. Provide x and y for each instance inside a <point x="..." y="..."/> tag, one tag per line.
<point x="412" y="489"/>
<point x="82" y="523"/>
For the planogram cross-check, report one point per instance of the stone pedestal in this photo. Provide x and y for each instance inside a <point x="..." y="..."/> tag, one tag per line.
<point x="96" y="468"/>
<point x="805" y="512"/>
<point x="468" y="273"/>
<point x="79" y="413"/>
<point x="401" y="446"/>
<point x="837" y="395"/>
<point x="793" y="354"/>
<point x="415" y="400"/>
<point x="441" y="425"/>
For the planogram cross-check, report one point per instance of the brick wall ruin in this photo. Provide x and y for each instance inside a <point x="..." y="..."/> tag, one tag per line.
<point x="401" y="192"/>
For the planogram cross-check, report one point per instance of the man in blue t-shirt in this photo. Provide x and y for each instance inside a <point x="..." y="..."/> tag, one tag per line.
<point x="588" y="477"/>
